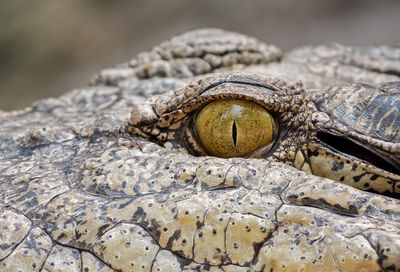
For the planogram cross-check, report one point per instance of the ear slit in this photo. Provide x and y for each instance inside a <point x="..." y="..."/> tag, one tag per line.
<point x="361" y="151"/>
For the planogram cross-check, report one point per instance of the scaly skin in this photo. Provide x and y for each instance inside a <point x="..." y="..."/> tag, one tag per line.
<point x="79" y="194"/>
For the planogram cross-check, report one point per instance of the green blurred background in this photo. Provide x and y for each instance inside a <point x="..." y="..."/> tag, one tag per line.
<point x="48" y="47"/>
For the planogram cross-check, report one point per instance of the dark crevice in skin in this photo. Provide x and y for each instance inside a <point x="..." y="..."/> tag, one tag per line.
<point x="81" y="260"/>
<point x="386" y="193"/>
<point x="183" y="260"/>
<point x="258" y="246"/>
<point x="48" y="254"/>
<point x="154" y="260"/>
<point x="26" y="235"/>
<point x="17" y="244"/>
<point x="52" y="199"/>
<point x="350" y="147"/>
<point x="199" y="227"/>
<point x="375" y="248"/>
<point x="81" y="250"/>
<point x="322" y="204"/>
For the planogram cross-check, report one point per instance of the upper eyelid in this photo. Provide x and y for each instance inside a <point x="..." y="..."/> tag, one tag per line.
<point x="175" y="100"/>
<point x="250" y="91"/>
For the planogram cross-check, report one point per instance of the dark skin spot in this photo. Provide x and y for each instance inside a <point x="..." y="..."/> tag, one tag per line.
<point x="313" y="153"/>
<point x="337" y="166"/>
<point x="358" y="178"/>
<point x="374" y="177"/>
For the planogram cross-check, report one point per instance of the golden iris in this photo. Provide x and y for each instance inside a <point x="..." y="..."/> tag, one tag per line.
<point x="234" y="128"/>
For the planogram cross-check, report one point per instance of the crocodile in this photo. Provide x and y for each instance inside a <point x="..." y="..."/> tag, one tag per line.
<point x="117" y="176"/>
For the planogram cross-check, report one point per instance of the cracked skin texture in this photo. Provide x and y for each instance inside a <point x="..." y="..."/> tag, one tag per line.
<point x="77" y="193"/>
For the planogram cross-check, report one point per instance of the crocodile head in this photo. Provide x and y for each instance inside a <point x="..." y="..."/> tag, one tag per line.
<point x="348" y="133"/>
<point x="77" y="193"/>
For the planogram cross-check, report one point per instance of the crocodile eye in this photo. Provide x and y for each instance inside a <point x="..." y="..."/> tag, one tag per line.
<point x="234" y="128"/>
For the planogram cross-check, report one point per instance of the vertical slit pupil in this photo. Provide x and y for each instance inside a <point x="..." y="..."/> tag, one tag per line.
<point x="234" y="133"/>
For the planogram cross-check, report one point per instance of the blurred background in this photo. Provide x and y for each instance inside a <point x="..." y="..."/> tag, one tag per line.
<point x="48" y="47"/>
